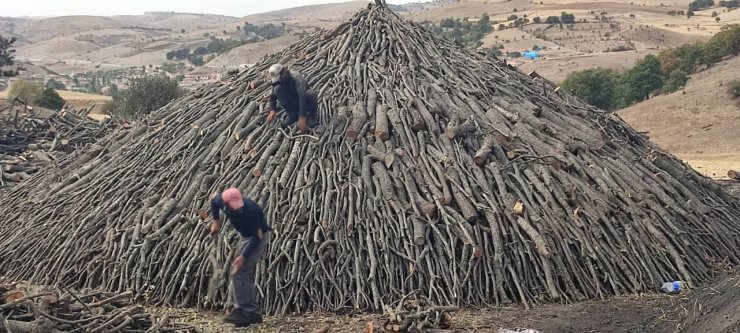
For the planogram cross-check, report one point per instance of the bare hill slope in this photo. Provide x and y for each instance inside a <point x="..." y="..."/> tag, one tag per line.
<point x="701" y="126"/>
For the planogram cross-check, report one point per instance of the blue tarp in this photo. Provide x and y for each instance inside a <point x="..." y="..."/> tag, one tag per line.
<point x="531" y="55"/>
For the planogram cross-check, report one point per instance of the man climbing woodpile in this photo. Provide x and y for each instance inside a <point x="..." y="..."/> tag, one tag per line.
<point x="293" y="94"/>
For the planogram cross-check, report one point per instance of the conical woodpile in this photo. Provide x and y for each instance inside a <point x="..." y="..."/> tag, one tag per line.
<point x="433" y="170"/>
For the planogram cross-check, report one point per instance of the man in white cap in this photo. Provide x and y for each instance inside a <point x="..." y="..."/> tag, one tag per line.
<point x="296" y="98"/>
<point x="248" y="219"/>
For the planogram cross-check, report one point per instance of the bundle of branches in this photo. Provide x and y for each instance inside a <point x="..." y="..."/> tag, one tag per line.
<point x="96" y="311"/>
<point x="433" y="169"/>
<point x="417" y="314"/>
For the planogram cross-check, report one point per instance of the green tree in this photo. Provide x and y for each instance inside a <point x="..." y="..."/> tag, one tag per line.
<point x="684" y="57"/>
<point x="25" y="90"/>
<point x="447" y="23"/>
<point x="567" y="18"/>
<point x="552" y="20"/>
<point x="113" y="89"/>
<point x="145" y="95"/>
<point x="169" y="68"/>
<point x="493" y="52"/>
<point x="93" y="87"/>
<point x="597" y="86"/>
<point x="729" y="4"/>
<point x="197" y="61"/>
<point x="675" y="81"/>
<point x="6" y="57"/>
<point x="54" y="84"/>
<point x="725" y="42"/>
<point x="484" y="24"/>
<point x="536" y="20"/>
<point x="49" y="99"/>
<point x="644" y="78"/>
<point x="701" y="4"/>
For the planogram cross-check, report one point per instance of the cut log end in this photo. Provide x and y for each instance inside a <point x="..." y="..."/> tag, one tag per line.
<point x="381" y="135"/>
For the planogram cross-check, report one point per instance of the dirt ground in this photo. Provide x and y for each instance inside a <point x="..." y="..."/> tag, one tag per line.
<point x="712" y="307"/>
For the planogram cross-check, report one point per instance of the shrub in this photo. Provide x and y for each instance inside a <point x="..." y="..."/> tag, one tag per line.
<point x="145" y="95"/>
<point x="25" y="90"/>
<point x="50" y="99"/>
<point x="734" y="88"/>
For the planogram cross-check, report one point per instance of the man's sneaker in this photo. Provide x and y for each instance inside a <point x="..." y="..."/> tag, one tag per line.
<point x="246" y="320"/>
<point x="257" y="319"/>
<point x="233" y="317"/>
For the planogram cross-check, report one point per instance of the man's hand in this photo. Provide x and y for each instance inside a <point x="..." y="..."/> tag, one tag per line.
<point x="302" y="124"/>
<point x="215" y="227"/>
<point x="237" y="264"/>
<point x="271" y="115"/>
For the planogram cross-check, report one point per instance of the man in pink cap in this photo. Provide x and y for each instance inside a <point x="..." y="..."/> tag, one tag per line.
<point x="249" y="221"/>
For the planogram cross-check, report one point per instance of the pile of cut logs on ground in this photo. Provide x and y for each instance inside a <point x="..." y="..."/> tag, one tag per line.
<point x="31" y="139"/>
<point x="54" y="310"/>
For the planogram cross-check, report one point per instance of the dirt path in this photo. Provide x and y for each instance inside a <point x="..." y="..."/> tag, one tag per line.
<point x="709" y="308"/>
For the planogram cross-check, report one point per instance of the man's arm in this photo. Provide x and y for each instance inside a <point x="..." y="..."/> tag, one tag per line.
<point x="216" y="204"/>
<point x="272" y="100"/>
<point x="272" y="105"/>
<point x="300" y="87"/>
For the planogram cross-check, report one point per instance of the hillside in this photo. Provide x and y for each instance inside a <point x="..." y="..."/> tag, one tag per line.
<point x="32" y="31"/>
<point x="322" y="15"/>
<point x="87" y="43"/>
<point x="700" y="126"/>
<point x="645" y="25"/>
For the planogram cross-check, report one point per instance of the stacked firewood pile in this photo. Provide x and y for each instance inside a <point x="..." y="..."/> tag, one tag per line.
<point x="433" y="169"/>
<point x="53" y="310"/>
<point x="31" y="139"/>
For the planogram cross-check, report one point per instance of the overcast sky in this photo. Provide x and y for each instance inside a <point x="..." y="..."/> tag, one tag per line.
<point x="236" y="8"/>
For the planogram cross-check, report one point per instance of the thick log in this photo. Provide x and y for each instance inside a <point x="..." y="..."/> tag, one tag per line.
<point x="381" y="122"/>
<point x="359" y="118"/>
<point x="485" y="149"/>
<point x="455" y="130"/>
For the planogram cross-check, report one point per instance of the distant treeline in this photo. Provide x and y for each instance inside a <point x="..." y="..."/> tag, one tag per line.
<point x="609" y="89"/>
<point x="146" y="28"/>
